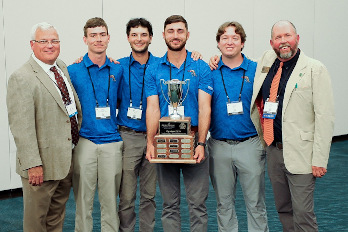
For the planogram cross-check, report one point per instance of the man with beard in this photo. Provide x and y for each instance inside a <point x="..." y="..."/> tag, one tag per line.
<point x="177" y="64"/>
<point x="292" y="108"/>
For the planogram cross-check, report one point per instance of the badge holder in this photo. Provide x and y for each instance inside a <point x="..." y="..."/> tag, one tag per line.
<point x="102" y="112"/>
<point x="134" y="112"/>
<point x="71" y="108"/>
<point x="270" y="109"/>
<point x="234" y="108"/>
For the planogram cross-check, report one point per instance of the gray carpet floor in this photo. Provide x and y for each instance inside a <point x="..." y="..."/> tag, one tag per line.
<point x="331" y="203"/>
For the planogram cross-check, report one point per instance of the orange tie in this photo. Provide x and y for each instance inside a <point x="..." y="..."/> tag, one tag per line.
<point x="268" y="132"/>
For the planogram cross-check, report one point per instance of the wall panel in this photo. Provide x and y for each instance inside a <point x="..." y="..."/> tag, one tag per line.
<point x="156" y="11"/>
<point x="330" y="47"/>
<point x="5" y="168"/>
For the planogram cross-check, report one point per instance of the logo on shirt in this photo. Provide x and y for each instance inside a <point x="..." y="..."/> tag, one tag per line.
<point x="113" y="77"/>
<point x="193" y="73"/>
<point x="246" y="78"/>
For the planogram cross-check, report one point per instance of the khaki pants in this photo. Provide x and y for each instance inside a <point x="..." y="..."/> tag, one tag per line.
<point x="97" y="164"/>
<point x="44" y="206"/>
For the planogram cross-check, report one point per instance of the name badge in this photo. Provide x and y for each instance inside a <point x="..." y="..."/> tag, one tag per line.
<point x="134" y="113"/>
<point x="234" y="108"/>
<point x="180" y="109"/>
<point x="102" y="112"/>
<point x="71" y="108"/>
<point x="270" y="109"/>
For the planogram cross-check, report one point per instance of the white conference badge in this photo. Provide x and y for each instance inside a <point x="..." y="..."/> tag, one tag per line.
<point x="270" y="109"/>
<point x="234" y="108"/>
<point x="102" y="112"/>
<point x="71" y="108"/>
<point x="134" y="113"/>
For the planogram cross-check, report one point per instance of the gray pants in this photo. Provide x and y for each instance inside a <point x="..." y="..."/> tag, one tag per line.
<point x="135" y="164"/>
<point x="196" y="180"/>
<point x="247" y="161"/>
<point x="293" y="194"/>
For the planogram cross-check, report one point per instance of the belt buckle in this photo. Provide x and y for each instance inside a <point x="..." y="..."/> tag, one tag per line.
<point x="232" y="142"/>
<point x="279" y="145"/>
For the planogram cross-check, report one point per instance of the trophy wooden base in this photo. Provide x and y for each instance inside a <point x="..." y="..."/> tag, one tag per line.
<point x="174" y="149"/>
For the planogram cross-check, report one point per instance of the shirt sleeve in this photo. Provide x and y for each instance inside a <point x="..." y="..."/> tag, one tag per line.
<point x="150" y="81"/>
<point x="205" y="79"/>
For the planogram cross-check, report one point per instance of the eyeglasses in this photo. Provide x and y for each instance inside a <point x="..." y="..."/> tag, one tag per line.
<point x="45" y="42"/>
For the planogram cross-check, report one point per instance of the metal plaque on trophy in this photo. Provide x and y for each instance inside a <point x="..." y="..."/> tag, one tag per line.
<point x="174" y="142"/>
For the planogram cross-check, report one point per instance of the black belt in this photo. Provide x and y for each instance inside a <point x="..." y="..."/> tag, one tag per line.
<point x="127" y="129"/>
<point x="232" y="141"/>
<point x="278" y="145"/>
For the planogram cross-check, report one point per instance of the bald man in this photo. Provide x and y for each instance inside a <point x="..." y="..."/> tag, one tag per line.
<point x="296" y="125"/>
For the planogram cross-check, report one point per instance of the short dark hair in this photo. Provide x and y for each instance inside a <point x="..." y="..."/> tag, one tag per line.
<point x="175" y="19"/>
<point x="139" y="22"/>
<point x="95" y="22"/>
<point x="238" y="29"/>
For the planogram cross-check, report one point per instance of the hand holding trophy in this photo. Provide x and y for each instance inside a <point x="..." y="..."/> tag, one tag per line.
<point x="175" y="141"/>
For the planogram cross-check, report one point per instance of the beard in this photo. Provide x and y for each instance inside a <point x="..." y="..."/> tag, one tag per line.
<point x="287" y="55"/>
<point x="176" y="49"/>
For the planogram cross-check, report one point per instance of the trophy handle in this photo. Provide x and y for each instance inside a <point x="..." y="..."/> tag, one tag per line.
<point x="162" y="80"/>
<point x="188" y="87"/>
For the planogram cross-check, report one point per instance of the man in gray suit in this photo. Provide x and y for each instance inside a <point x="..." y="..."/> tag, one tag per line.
<point x="43" y="111"/>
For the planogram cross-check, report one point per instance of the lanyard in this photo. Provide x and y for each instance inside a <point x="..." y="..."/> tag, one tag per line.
<point x="107" y="98"/>
<point x="241" y="89"/>
<point x="130" y="85"/>
<point x="170" y="69"/>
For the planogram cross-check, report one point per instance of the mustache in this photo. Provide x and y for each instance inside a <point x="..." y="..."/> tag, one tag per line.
<point x="284" y="45"/>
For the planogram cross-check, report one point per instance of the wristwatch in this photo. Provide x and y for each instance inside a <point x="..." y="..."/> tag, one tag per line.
<point x="202" y="144"/>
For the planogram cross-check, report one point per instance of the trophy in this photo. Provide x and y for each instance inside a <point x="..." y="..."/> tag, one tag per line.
<point x="174" y="142"/>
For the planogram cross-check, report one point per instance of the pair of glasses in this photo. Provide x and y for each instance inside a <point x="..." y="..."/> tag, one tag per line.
<point x="45" y="42"/>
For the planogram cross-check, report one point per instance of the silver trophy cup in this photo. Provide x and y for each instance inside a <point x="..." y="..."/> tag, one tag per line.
<point x="175" y="90"/>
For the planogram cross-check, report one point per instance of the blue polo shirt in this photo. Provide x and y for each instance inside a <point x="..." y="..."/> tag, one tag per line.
<point x="136" y="80"/>
<point x="236" y="127"/>
<point x="200" y="78"/>
<point x="98" y="131"/>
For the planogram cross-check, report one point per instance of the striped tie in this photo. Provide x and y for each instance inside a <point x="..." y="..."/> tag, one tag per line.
<point x="268" y="132"/>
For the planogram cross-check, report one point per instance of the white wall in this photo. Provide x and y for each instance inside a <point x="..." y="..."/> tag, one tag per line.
<point x="5" y="167"/>
<point x="321" y="25"/>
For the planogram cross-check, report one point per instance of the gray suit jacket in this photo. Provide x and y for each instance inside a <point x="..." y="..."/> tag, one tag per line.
<point x="307" y="115"/>
<point x="39" y="121"/>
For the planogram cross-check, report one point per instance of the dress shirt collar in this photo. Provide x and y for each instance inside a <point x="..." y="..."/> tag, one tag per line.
<point x="44" y="66"/>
